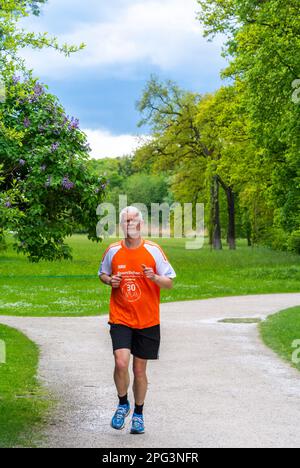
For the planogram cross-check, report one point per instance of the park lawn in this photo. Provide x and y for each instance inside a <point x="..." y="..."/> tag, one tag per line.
<point x="23" y="403"/>
<point x="280" y="331"/>
<point x="72" y="288"/>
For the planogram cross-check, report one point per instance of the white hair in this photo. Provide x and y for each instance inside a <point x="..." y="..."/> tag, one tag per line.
<point x="131" y="210"/>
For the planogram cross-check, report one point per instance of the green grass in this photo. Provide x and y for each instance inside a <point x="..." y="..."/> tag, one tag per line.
<point x="23" y="404"/>
<point x="280" y="331"/>
<point x="72" y="288"/>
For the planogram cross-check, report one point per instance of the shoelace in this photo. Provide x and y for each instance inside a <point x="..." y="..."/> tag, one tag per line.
<point x="137" y="422"/>
<point x="121" y="411"/>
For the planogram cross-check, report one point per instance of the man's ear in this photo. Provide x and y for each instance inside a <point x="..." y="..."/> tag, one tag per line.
<point x="142" y="224"/>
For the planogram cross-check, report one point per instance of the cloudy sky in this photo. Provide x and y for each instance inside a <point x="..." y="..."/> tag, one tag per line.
<point x="126" y="41"/>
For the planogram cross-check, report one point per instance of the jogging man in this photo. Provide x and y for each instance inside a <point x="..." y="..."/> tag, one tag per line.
<point x="136" y="270"/>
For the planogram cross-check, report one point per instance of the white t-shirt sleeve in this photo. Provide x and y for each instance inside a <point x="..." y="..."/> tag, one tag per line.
<point x="105" y="265"/>
<point x="163" y="267"/>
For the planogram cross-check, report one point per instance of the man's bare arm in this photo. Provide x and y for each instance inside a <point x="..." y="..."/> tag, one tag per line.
<point x="113" y="281"/>
<point x="106" y="279"/>
<point x="163" y="282"/>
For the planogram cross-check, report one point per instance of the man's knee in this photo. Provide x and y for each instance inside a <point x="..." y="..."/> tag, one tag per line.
<point x="121" y="362"/>
<point x="139" y="371"/>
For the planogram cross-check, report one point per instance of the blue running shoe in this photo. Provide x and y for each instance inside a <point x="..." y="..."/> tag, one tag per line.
<point x="118" y="419"/>
<point x="137" y="424"/>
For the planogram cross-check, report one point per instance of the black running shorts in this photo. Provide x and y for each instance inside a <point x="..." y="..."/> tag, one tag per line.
<point x="144" y="343"/>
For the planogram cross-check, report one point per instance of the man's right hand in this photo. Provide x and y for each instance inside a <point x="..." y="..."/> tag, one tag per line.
<point x="116" y="281"/>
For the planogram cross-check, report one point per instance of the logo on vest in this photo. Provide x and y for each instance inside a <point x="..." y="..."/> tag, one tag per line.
<point x="131" y="290"/>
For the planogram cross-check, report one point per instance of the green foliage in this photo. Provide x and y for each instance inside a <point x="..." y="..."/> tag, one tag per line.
<point x="146" y="189"/>
<point x="176" y="145"/>
<point x="195" y="138"/>
<point x="236" y="136"/>
<point x="125" y="177"/>
<point x="114" y="169"/>
<point x="13" y="38"/>
<point x="47" y="166"/>
<point x="263" y="46"/>
<point x="294" y="241"/>
<point x="46" y="189"/>
<point x="9" y="210"/>
<point x="35" y="5"/>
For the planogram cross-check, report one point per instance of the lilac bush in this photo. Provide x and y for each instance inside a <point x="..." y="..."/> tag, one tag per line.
<point x="46" y="164"/>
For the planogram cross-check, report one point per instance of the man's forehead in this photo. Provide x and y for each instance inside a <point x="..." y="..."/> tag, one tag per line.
<point x="128" y="216"/>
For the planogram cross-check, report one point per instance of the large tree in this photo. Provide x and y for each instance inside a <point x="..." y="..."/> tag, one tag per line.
<point x="264" y="50"/>
<point x="46" y="189"/>
<point x="188" y="140"/>
<point x="236" y="163"/>
<point x="176" y="143"/>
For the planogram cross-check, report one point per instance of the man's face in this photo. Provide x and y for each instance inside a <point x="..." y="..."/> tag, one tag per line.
<point x="131" y="226"/>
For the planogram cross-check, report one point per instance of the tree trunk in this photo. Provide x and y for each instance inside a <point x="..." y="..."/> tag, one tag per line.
<point x="231" y="213"/>
<point x="231" y="218"/>
<point x="216" y="240"/>
<point x="249" y="234"/>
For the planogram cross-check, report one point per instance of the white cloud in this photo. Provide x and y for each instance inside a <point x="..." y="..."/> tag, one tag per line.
<point x="163" y="33"/>
<point x="106" y="145"/>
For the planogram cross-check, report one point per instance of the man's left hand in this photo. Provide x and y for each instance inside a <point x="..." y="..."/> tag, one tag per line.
<point x="149" y="273"/>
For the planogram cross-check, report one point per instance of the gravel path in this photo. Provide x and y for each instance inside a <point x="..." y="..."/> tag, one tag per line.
<point x="215" y="384"/>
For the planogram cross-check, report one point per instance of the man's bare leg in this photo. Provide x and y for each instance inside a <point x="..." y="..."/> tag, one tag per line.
<point x="122" y="380"/>
<point x="121" y="374"/>
<point x="140" y="383"/>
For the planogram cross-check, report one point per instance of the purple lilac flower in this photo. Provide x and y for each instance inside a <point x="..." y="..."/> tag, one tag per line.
<point x="74" y="124"/>
<point x="67" y="184"/>
<point x="8" y="204"/>
<point x="26" y="122"/>
<point x="43" y="167"/>
<point x="54" y="147"/>
<point x="38" y="90"/>
<point x="16" y="79"/>
<point x="22" y="162"/>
